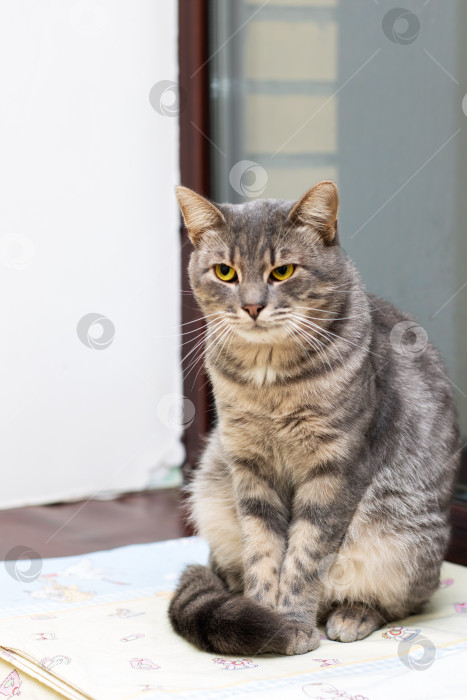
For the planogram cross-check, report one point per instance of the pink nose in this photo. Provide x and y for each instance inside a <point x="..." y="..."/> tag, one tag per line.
<point x="253" y="310"/>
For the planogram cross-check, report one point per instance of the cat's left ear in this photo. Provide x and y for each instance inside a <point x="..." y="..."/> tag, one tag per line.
<point x="198" y="213"/>
<point x="318" y="209"/>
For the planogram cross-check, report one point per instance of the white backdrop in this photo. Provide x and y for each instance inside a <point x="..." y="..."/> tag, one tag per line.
<point x="88" y="225"/>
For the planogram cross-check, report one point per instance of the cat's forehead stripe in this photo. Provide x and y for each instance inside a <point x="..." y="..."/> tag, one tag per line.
<point x="232" y="253"/>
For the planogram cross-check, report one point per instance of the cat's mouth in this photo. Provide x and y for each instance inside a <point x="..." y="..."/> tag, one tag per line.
<point x="261" y="331"/>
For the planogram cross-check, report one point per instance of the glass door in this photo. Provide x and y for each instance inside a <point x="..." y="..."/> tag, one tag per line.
<point x="372" y="96"/>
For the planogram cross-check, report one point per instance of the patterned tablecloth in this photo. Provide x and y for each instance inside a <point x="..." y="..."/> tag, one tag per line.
<point x="95" y="626"/>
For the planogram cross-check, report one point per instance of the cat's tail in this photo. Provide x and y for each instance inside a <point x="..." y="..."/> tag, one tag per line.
<point x="206" y="614"/>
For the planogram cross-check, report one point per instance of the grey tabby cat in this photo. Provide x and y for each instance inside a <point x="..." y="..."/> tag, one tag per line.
<point x="324" y="489"/>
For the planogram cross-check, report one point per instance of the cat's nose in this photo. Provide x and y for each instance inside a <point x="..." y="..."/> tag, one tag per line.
<point x="253" y="310"/>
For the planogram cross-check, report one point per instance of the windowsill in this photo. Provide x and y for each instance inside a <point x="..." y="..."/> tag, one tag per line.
<point x="87" y="526"/>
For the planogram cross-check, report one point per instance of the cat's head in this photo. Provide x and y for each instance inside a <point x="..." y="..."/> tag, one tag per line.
<point x="260" y="264"/>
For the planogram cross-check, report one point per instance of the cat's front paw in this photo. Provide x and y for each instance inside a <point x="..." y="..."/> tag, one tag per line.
<point x="302" y="639"/>
<point x="347" y="623"/>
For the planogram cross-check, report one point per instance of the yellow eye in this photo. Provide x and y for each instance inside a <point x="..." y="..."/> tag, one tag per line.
<point x="226" y="273"/>
<point x="282" y="272"/>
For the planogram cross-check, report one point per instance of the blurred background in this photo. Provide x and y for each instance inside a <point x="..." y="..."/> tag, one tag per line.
<point x="105" y="106"/>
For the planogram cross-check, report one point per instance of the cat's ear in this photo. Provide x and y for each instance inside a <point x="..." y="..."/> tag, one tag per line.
<point x="318" y="209"/>
<point x="199" y="214"/>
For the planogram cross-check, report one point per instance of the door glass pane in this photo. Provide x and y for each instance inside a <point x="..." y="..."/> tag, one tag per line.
<point x="373" y="97"/>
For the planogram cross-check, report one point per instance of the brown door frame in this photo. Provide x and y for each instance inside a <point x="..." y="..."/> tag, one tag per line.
<point x="193" y="56"/>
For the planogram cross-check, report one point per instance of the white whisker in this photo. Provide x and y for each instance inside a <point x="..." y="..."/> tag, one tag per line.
<point x="339" y="318"/>
<point x="226" y="333"/>
<point x="332" y="343"/>
<point x="314" y="339"/>
<point x="212" y="337"/>
<point x="314" y="342"/>
<point x="342" y="318"/>
<point x="312" y="308"/>
<point x="202" y="318"/>
<point x="317" y="328"/>
<point x="207" y="335"/>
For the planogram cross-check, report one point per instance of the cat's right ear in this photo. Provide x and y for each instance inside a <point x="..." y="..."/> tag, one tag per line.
<point x="199" y="214"/>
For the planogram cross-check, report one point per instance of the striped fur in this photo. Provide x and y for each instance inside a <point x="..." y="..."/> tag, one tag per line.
<point x="324" y="488"/>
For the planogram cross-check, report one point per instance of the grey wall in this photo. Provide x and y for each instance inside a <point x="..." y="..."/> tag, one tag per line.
<point x="400" y="152"/>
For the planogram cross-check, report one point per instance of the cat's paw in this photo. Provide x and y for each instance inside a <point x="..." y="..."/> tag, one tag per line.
<point x="351" y="622"/>
<point x="301" y="639"/>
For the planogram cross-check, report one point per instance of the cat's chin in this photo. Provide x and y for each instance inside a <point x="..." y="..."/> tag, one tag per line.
<point x="263" y="334"/>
